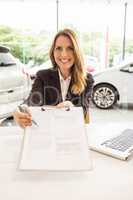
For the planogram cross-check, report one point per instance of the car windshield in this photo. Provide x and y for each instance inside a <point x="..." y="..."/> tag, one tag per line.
<point x="6" y="59"/>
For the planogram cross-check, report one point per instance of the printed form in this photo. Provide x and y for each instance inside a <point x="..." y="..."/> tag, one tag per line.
<point x="59" y="143"/>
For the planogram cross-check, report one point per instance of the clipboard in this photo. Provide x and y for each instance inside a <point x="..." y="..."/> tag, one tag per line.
<point x="60" y="142"/>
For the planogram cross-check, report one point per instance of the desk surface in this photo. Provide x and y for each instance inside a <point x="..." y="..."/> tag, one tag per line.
<point x="110" y="179"/>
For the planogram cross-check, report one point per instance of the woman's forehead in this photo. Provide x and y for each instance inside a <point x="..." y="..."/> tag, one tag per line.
<point x="63" y="40"/>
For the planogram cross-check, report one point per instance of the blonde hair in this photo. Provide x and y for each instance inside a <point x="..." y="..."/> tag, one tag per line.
<point x="78" y="73"/>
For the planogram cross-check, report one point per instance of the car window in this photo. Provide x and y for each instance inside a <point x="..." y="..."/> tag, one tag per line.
<point x="131" y="68"/>
<point x="127" y="68"/>
<point x="6" y="59"/>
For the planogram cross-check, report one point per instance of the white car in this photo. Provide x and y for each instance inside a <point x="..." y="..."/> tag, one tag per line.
<point x="112" y="85"/>
<point x="15" y="83"/>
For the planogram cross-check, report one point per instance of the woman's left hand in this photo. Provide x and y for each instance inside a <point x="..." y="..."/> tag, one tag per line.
<point x="65" y="104"/>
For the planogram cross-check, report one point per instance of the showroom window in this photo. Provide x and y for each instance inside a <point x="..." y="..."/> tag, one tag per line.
<point x="28" y="27"/>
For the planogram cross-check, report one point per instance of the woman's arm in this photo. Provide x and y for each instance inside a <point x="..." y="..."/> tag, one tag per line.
<point x="36" y="97"/>
<point x="86" y="96"/>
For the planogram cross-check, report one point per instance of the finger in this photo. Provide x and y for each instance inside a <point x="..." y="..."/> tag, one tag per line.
<point x="25" y="124"/>
<point x="24" y="120"/>
<point x="61" y="105"/>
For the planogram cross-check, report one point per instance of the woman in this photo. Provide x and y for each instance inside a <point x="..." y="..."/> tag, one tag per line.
<point x="66" y="84"/>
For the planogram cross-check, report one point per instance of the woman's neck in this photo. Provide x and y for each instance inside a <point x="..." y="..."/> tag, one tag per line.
<point x="65" y="74"/>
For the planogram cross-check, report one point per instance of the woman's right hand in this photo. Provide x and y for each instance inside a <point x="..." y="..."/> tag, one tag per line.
<point x="23" y="119"/>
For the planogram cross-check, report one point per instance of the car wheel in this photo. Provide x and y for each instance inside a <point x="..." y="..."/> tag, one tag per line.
<point x="104" y="96"/>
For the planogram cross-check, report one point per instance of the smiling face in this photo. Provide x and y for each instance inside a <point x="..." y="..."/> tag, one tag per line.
<point x="64" y="55"/>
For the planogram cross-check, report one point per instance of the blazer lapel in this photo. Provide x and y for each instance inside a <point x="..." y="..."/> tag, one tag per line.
<point x="74" y="98"/>
<point x="69" y="93"/>
<point x="55" y="82"/>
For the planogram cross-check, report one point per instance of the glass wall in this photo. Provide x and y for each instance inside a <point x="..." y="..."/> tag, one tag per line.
<point x="28" y="28"/>
<point x="99" y="25"/>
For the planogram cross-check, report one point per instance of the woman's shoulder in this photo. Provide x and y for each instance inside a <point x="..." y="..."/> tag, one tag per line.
<point x="89" y="77"/>
<point x="46" y="72"/>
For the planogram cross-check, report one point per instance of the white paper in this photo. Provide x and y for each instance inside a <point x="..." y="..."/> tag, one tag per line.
<point x="59" y="143"/>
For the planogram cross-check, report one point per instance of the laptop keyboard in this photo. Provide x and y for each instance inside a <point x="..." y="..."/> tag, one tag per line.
<point x="122" y="142"/>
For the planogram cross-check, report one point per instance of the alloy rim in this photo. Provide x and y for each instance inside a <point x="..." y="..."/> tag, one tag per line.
<point x="104" y="97"/>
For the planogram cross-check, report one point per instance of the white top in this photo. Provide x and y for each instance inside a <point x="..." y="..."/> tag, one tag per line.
<point x="64" y="85"/>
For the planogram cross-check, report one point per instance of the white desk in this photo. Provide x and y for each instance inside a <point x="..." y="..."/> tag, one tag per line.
<point x="110" y="179"/>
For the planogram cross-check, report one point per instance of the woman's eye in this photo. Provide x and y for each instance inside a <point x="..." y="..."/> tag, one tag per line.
<point x="58" y="48"/>
<point x="70" y="48"/>
<point x="61" y="49"/>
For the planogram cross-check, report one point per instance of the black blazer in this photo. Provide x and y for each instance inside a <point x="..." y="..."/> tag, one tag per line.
<point x="46" y="90"/>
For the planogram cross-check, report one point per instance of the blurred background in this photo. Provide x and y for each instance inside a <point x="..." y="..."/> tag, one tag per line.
<point x="104" y="29"/>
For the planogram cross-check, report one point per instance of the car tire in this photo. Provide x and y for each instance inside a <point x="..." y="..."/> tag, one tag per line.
<point x="104" y="96"/>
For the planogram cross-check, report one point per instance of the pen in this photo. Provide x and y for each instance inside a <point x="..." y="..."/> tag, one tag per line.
<point x="34" y="122"/>
<point x="23" y="108"/>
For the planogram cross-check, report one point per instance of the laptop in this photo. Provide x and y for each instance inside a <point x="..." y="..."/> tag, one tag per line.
<point x="113" y="139"/>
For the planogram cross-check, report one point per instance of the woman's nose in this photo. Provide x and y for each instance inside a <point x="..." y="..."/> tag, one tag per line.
<point x="64" y="52"/>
